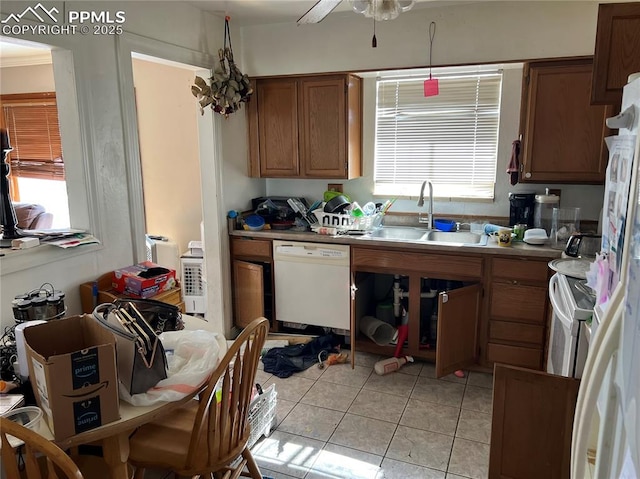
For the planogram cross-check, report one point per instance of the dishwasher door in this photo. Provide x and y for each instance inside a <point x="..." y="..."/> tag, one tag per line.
<point x="312" y="284"/>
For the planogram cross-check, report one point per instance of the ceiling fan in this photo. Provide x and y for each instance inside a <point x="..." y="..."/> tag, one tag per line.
<point x="379" y="10"/>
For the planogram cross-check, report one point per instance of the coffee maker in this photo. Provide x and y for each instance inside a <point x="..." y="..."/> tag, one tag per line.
<point x="521" y="208"/>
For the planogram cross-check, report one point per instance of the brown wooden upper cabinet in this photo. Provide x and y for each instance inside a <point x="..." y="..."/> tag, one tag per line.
<point x="616" y="53"/>
<point x="562" y="133"/>
<point x="306" y="127"/>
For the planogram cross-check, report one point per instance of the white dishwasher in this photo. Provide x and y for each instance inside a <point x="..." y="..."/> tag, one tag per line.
<point x="312" y="284"/>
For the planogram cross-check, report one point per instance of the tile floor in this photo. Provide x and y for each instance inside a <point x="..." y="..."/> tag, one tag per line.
<point x="344" y="423"/>
<point x="340" y="423"/>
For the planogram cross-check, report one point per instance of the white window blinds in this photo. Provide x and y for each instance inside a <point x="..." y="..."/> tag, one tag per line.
<point x="450" y="139"/>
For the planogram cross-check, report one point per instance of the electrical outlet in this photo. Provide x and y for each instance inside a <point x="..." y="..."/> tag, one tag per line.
<point x="557" y="192"/>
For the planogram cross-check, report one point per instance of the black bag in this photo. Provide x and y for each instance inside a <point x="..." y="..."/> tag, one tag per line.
<point x="140" y="356"/>
<point x="160" y="316"/>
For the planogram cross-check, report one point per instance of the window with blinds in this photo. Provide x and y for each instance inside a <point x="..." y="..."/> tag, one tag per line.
<point x="32" y="123"/>
<point x="450" y="139"/>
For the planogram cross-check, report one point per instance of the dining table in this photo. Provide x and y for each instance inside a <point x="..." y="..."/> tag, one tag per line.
<point x="114" y="436"/>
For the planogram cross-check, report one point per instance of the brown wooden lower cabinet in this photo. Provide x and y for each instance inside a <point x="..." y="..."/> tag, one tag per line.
<point x="516" y="332"/>
<point x="516" y="355"/>
<point x="252" y="267"/>
<point x="249" y="292"/>
<point x="532" y="424"/>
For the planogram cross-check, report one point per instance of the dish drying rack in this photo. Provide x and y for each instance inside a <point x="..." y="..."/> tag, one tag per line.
<point x="347" y="224"/>
<point x="344" y="223"/>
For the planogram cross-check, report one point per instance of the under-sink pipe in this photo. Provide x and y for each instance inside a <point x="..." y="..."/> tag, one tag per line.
<point x="399" y="293"/>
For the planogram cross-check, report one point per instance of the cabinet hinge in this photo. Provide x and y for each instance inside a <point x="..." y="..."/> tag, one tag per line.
<point x="346" y="165"/>
<point x="527" y="79"/>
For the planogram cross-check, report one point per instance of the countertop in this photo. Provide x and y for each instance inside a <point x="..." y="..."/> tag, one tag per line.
<point x="516" y="249"/>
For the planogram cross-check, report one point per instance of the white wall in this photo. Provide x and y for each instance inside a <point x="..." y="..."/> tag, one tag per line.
<point x="468" y="33"/>
<point x="168" y="132"/>
<point x="26" y="79"/>
<point x="95" y="74"/>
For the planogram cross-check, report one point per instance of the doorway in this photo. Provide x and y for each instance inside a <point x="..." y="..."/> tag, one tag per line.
<point x="169" y="149"/>
<point x="208" y="175"/>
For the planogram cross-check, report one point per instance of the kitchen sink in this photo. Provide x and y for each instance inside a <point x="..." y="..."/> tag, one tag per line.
<point x="407" y="233"/>
<point x="458" y="237"/>
<point x="399" y="233"/>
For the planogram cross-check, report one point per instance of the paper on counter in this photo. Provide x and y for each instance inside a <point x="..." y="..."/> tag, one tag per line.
<point x="75" y="240"/>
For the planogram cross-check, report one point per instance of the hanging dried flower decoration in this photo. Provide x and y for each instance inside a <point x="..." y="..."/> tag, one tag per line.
<point x="229" y="87"/>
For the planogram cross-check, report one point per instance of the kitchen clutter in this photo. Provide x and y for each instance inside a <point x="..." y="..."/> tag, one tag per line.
<point x="389" y="365"/>
<point x="336" y="214"/>
<point x="543" y="214"/>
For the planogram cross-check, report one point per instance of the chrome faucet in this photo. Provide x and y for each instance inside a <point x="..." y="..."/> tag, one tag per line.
<point x="429" y="220"/>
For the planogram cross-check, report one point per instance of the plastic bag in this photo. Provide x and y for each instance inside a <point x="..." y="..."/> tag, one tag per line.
<point x="191" y="358"/>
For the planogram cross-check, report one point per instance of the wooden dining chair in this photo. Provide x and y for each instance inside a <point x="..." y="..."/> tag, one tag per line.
<point x="57" y="462"/>
<point x="210" y="435"/>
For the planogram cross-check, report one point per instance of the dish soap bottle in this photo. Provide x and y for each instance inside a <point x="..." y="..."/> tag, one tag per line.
<point x="386" y="366"/>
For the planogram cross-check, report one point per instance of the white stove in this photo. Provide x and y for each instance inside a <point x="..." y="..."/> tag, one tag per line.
<point x="569" y="339"/>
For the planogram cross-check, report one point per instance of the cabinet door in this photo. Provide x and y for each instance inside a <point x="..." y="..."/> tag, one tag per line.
<point x="458" y="311"/>
<point x="323" y="129"/>
<point x="562" y="132"/>
<point x="531" y="425"/>
<point x="277" y="128"/>
<point x="248" y="292"/>
<point x="616" y="54"/>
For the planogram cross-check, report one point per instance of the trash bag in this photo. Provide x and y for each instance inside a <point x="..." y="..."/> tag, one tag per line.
<point x="191" y="358"/>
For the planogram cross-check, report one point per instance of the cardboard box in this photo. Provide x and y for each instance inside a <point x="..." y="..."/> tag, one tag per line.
<point x="139" y="281"/>
<point x="72" y="367"/>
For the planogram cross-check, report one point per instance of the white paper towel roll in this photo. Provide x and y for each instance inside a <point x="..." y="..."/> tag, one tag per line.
<point x="23" y="365"/>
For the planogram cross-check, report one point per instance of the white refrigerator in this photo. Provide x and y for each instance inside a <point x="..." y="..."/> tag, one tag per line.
<point x="606" y="429"/>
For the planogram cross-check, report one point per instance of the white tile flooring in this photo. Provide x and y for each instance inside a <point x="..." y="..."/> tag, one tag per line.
<point x="340" y="423"/>
<point x="344" y="423"/>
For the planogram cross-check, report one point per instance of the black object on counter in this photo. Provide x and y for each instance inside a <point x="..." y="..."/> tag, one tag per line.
<point x="336" y="205"/>
<point x="521" y="207"/>
<point x="9" y="222"/>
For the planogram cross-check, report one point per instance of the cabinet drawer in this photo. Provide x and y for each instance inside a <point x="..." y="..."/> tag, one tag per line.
<point x="519" y="269"/>
<point x="518" y="303"/>
<point x="435" y="265"/>
<point x="250" y="248"/>
<point x="514" y="355"/>
<point x="517" y="332"/>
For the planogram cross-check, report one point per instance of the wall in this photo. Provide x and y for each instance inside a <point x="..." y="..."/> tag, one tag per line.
<point x="469" y="33"/>
<point x="102" y="155"/>
<point x="168" y="132"/>
<point x="27" y="79"/>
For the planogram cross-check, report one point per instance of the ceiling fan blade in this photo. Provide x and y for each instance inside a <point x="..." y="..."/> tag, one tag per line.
<point x="320" y="10"/>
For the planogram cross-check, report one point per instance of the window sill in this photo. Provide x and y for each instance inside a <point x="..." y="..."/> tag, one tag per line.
<point x="19" y="260"/>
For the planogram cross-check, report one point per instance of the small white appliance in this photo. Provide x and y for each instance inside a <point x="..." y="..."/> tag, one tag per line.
<point x="194" y="291"/>
<point x="163" y="252"/>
